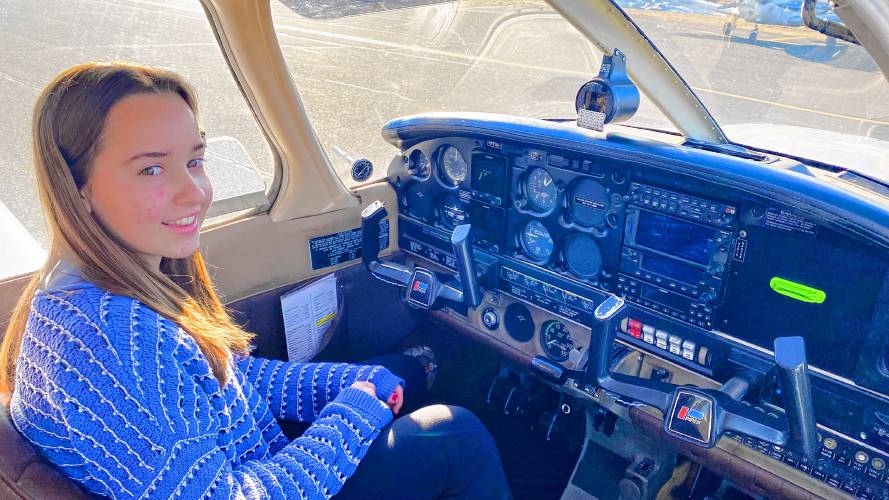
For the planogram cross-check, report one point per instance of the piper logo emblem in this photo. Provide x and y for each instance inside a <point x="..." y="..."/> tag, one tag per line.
<point x="690" y="415"/>
<point x="421" y="287"/>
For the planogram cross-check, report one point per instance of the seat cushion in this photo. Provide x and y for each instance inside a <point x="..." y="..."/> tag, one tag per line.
<point x="26" y="474"/>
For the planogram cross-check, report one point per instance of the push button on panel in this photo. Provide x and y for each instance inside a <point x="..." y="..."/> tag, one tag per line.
<point x="675" y="344"/>
<point x="647" y="332"/>
<point x="662" y="339"/>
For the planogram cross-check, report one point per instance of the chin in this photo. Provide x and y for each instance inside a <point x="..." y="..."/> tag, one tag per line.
<point x="182" y="253"/>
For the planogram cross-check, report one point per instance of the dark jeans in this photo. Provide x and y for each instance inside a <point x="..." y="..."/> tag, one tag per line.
<point x="435" y="452"/>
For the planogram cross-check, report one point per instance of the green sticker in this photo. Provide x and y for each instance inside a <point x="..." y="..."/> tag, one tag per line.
<point x="797" y="291"/>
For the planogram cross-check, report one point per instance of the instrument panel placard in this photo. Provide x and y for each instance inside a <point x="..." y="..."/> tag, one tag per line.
<point x="550" y="297"/>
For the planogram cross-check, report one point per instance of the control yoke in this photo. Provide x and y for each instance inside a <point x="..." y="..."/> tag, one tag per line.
<point x="423" y="287"/>
<point x="697" y="415"/>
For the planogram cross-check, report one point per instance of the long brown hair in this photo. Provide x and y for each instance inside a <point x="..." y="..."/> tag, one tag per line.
<point x="68" y="119"/>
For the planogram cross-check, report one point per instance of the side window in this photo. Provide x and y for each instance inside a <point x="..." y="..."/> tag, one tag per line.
<point x="358" y="65"/>
<point x="40" y="39"/>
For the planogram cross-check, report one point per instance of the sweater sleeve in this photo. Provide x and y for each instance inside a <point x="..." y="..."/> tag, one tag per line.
<point x="299" y="391"/>
<point x="137" y="413"/>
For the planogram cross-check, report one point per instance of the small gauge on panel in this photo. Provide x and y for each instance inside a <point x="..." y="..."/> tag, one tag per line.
<point x="418" y="165"/>
<point x="588" y="203"/>
<point x="540" y="189"/>
<point x="536" y="241"/>
<point x="556" y="341"/>
<point x="453" y="167"/>
<point x="453" y="211"/>
<point x="582" y="256"/>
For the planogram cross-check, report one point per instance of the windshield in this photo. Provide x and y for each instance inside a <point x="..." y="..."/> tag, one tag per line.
<point x="366" y="63"/>
<point x="773" y="83"/>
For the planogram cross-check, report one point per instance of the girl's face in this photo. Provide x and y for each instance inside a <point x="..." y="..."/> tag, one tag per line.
<point x="147" y="184"/>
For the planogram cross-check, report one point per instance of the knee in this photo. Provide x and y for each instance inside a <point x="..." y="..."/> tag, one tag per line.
<point x="451" y="422"/>
<point x="465" y="420"/>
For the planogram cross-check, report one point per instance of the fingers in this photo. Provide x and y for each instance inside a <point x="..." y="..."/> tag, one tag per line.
<point x="396" y="400"/>
<point x="367" y="387"/>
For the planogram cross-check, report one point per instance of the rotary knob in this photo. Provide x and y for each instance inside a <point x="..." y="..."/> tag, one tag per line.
<point x="490" y="318"/>
<point x="707" y="297"/>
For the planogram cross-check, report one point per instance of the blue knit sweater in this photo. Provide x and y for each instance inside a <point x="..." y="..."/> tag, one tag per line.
<point x="124" y="402"/>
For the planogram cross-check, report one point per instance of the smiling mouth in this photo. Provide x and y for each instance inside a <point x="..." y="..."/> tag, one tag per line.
<point x="185" y="221"/>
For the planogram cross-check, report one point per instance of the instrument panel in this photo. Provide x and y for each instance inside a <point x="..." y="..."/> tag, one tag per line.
<point x="713" y="273"/>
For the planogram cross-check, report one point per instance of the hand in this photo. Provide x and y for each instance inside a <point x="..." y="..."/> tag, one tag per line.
<point x="396" y="399"/>
<point x="367" y="387"/>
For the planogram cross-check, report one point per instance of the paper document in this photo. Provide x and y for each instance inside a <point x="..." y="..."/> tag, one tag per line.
<point x="308" y="315"/>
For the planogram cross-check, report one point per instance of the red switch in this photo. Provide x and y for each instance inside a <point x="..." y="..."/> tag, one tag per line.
<point x="635" y="328"/>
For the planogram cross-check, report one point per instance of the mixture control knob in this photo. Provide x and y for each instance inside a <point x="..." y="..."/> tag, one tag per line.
<point x="490" y="318"/>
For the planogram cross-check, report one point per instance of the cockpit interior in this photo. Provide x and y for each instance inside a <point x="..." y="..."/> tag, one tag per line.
<point x="633" y="313"/>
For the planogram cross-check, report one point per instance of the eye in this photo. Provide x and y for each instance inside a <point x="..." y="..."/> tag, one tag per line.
<point x="152" y="170"/>
<point x="196" y="163"/>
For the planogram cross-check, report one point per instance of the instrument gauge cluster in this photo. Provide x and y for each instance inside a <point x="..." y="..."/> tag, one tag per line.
<point x="547" y="210"/>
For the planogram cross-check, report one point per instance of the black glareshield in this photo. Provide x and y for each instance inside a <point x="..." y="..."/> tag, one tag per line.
<point x="371" y="217"/>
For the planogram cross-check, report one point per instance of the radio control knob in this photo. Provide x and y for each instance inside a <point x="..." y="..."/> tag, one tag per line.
<point x="707" y="297"/>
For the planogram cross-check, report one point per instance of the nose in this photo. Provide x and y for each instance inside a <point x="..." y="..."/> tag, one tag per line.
<point x="193" y="188"/>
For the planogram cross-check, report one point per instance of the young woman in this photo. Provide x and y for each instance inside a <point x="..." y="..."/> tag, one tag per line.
<point x="125" y="369"/>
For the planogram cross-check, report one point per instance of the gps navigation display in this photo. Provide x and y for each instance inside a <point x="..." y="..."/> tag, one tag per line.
<point x="675" y="237"/>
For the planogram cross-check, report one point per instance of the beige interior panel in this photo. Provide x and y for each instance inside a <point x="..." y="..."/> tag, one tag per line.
<point x="10" y="290"/>
<point x="257" y="254"/>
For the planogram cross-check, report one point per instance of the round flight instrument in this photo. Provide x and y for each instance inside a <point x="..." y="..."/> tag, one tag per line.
<point x="588" y="203"/>
<point x="540" y="189"/>
<point x="419" y="165"/>
<point x="454" y="168"/>
<point x="417" y="202"/>
<point x="453" y="211"/>
<point x="556" y="341"/>
<point x="536" y="241"/>
<point x="518" y="322"/>
<point x="582" y="256"/>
